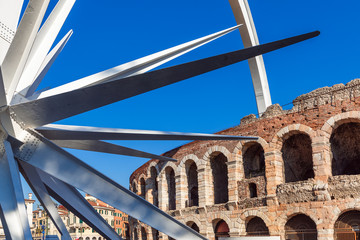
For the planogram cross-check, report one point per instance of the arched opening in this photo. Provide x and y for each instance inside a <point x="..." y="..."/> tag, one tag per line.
<point x="87" y="238"/>
<point x="300" y="227"/>
<point x="347" y="226"/>
<point x="142" y="187"/>
<point x="192" y="183"/>
<point x="252" y="190"/>
<point x="154" y="187"/>
<point x="254" y="161"/>
<point x="345" y="149"/>
<point x="220" y="178"/>
<point x="256" y="227"/>
<point x="143" y="234"/>
<point x="135" y="234"/>
<point x="99" y="238"/>
<point x="127" y="231"/>
<point x="221" y="230"/>
<point x="193" y="226"/>
<point x="155" y="234"/>
<point x="297" y="157"/>
<point x="134" y="189"/>
<point x="170" y="180"/>
<point x="94" y="238"/>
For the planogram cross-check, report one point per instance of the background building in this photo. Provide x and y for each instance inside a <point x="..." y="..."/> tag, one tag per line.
<point x="299" y="180"/>
<point x="78" y="229"/>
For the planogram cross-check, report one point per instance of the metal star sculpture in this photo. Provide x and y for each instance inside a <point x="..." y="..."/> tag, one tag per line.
<point x="30" y="144"/>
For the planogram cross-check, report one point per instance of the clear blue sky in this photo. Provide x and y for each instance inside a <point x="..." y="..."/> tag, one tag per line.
<point x="111" y="32"/>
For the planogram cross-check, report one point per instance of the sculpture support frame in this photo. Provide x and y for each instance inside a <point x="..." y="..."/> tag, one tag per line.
<point x="249" y="38"/>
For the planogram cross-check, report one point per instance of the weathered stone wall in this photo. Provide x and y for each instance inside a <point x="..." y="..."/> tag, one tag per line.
<point x="344" y="186"/>
<point x="295" y="192"/>
<point x="322" y="197"/>
<point x="243" y="187"/>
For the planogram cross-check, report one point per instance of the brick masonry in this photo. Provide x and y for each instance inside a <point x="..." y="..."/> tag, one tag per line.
<point x="322" y="198"/>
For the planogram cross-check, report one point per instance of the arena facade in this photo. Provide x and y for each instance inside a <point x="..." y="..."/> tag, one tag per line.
<point x="299" y="180"/>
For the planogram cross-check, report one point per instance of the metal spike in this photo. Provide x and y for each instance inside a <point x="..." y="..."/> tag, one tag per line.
<point x="137" y="66"/>
<point x="13" y="213"/>
<point x="105" y="147"/>
<point x="43" y="42"/>
<point x="56" y="162"/>
<point x="9" y="17"/>
<point x="49" y="60"/>
<point x="20" y="47"/>
<point x="67" y="132"/>
<point x="47" y="110"/>
<point x="33" y="179"/>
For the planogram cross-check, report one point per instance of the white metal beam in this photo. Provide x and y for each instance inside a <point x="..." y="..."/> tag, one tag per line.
<point x="49" y="60"/>
<point x="43" y="42"/>
<point x="13" y="213"/>
<point x="17" y="55"/>
<point x="9" y="19"/>
<point x="67" y="132"/>
<point x="68" y="196"/>
<point x="56" y="162"/>
<point x="137" y="66"/>
<point x="249" y="37"/>
<point x="32" y="177"/>
<point x="54" y="108"/>
<point x="105" y="147"/>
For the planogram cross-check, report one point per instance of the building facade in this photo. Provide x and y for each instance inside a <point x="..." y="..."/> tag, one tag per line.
<point x="299" y="180"/>
<point x="78" y="229"/>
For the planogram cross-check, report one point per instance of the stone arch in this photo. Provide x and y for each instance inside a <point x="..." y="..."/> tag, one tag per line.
<point x="291" y="133"/>
<point x="153" y="185"/>
<point x="170" y="177"/>
<point x="220" y="178"/>
<point x="134" y="187"/>
<point x="193" y="226"/>
<point x="253" y="158"/>
<point x="168" y="187"/>
<point x="135" y="233"/>
<point x="347" y="225"/>
<point x="193" y="157"/>
<point x="297" y="157"/>
<point x="345" y="149"/>
<point x="142" y="189"/>
<point x="330" y="127"/>
<point x="192" y="183"/>
<point x="183" y="189"/>
<point x="248" y="214"/>
<point x="217" y="159"/>
<point x="155" y="234"/>
<point x="155" y="165"/>
<point x="256" y="226"/>
<point x="221" y="228"/>
<point x="143" y="233"/>
<point x="300" y="226"/>
<point x="191" y="219"/>
<point x="353" y="206"/>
